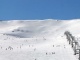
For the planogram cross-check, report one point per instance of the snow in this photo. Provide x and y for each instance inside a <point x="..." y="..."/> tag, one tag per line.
<point x="37" y="39"/>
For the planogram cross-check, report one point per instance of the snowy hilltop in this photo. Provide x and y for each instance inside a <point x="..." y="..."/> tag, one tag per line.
<point x="37" y="39"/>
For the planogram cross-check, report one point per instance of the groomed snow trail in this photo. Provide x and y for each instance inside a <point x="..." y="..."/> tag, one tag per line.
<point x="56" y="48"/>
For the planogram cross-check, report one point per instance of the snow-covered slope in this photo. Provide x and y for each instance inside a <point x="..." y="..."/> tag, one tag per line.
<point x="31" y="28"/>
<point x="37" y="39"/>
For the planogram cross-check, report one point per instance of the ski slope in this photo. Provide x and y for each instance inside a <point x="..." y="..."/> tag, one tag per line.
<point x="37" y="39"/>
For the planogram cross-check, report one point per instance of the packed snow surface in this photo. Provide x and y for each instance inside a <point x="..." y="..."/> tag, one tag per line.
<point x="37" y="39"/>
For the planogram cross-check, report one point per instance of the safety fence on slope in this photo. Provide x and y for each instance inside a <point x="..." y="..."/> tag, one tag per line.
<point x="73" y="42"/>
